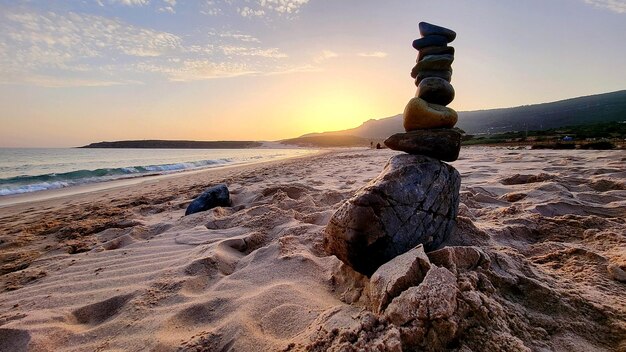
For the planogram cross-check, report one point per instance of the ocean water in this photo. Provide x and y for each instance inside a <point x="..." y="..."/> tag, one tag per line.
<point x="32" y="170"/>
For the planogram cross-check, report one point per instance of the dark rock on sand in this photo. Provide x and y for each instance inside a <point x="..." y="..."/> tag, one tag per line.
<point x="434" y="50"/>
<point x="435" y="90"/>
<point x="216" y="196"/>
<point x="431" y="29"/>
<point x="442" y="144"/>
<point x="431" y="40"/>
<point x="413" y="201"/>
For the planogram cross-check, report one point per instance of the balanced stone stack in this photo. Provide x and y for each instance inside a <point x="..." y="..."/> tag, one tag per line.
<point x="427" y="120"/>
<point x="414" y="201"/>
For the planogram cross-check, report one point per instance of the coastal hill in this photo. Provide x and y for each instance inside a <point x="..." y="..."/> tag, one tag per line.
<point x="163" y="144"/>
<point x="593" y="109"/>
<point x="599" y="108"/>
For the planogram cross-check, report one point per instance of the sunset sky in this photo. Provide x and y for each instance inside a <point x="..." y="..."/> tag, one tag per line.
<point x="75" y="72"/>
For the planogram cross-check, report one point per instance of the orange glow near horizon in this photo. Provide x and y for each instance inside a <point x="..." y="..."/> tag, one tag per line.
<point x="334" y="109"/>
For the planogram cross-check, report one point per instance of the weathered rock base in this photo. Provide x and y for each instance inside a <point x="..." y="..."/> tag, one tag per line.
<point x="443" y="144"/>
<point x="413" y="201"/>
<point x="424" y="303"/>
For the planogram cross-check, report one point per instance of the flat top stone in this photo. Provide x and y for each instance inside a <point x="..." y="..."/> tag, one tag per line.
<point x="442" y="144"/>
<point x="430" y="29"/>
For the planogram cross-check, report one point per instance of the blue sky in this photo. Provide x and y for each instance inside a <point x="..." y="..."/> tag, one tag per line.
<point x="72" y="72"/>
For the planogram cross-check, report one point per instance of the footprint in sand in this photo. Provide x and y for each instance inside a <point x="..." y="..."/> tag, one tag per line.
<point x="223" y="261"/>
<point x="98" y="313"/>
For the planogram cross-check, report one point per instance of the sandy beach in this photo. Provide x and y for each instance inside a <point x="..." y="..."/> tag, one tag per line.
<point x="121" y="269"/>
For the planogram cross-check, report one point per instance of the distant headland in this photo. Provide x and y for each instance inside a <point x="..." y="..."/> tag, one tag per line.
<point x="164" y="144"/>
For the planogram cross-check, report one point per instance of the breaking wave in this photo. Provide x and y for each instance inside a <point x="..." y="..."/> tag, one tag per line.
<point x="26" y="184"/>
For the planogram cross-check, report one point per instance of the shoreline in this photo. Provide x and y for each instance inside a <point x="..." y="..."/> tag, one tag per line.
<point x="28" y="197"/>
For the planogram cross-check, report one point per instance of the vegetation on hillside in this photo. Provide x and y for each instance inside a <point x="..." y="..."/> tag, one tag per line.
<point x="592" y="135"/>
<point x="324" y="141"/>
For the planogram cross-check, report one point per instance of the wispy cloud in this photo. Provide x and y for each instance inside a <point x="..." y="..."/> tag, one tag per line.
<point x="245" y="51"/>
<point x="60" y="50"/>
<point x="129" y="2"/>
<point x="196" y="70"/>
<point x="236" y="36"/>
<point x="325" y="55"/>
<point x="282" y="6"/>
<point x="211" y="8"/>
<point x="249" y="12"/>
<point x="66" y="37"/>
<point x="618" y="6"/>
<point x="376" y="54"/>
<point x="199" y="69"/>
<point x="264" y="9"/>
<point x="64" y="82"/>
<point x="169" y="6"/>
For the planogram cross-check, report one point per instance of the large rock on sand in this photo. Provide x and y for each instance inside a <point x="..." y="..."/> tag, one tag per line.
<point x="413" y="201"/>
<point x="216" y="196"/>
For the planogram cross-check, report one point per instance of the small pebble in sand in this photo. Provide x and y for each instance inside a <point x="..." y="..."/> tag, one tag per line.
<point x="616" y="272"/>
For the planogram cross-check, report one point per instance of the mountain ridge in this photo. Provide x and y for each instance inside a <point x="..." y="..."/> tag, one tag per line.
<point x="604" y="107"/>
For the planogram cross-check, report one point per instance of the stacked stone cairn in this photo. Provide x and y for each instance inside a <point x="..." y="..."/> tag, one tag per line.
<point x="427" y="120"/>
<point x="414" y="201"/>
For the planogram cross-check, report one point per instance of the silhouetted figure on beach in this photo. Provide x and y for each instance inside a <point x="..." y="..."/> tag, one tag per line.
<point x="378" y="146"/>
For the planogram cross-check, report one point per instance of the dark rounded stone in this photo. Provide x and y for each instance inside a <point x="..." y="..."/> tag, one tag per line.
<point x="421" y="75"/>
<point x="414" y="72"/>
<point x="434" y="50"/>
<point x="413" y="201"/>
<point x="442" y="144"/>
<point x="435" y="62"/>
<point x="216" y="196"/>
<point x="431" y="40"/>
<point x="435" y="90"/>
<point x="431" y="29"/>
